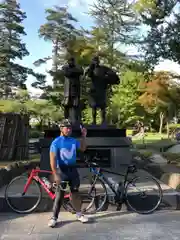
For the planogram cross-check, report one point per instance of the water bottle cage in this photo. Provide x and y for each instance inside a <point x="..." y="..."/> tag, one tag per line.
<point x="65" y="188"/>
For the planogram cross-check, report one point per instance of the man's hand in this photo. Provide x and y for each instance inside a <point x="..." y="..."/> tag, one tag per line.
<point x="57" y="178"/>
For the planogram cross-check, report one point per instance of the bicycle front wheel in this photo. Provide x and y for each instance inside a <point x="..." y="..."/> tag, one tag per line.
<point x="143" y="194"/>
<point x="96" y="198"/>
<point x="93" y="195"/>
<point x="18" y="202"/>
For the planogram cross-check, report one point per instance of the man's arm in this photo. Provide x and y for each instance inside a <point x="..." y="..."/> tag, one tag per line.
<point x="53" y="162"/>
<point x="52" y="155"/>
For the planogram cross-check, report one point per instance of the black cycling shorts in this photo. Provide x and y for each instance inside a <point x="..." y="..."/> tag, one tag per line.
<point x="72" y="176"/>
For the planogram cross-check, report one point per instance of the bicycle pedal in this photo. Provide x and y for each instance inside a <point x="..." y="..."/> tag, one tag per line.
<point x="119" y="207"/>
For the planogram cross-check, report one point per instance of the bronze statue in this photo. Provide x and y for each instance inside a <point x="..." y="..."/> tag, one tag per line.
<point x="71" y="102"/>
<point x="101" y="76"/>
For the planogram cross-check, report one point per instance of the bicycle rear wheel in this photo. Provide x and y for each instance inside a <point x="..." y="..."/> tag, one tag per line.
<point x="143" y="194"/>
<point x="18" y="202"/>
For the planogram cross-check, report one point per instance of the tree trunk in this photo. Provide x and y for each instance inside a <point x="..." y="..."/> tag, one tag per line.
<point x="55" y="56"/>
<point x="167" y="128"/>
<point x="161" y="118"/>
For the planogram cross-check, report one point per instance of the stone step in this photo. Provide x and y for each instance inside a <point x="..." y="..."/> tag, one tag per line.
<point x="46" y="204"/>
<point x="170" y="197"/>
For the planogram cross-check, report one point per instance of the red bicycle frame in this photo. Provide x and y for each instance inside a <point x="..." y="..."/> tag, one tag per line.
<point x="34" y="175"/>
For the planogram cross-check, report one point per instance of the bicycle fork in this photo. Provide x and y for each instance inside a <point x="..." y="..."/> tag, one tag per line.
<point x="28" y="183"/>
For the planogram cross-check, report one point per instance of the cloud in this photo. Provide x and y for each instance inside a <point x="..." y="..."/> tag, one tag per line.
<point x="76" y="7"/>
<point x="69" y="3"/>
<point x="168" y="65"/>
<point x="47" y="3"/>
<point x="78" y="3"/>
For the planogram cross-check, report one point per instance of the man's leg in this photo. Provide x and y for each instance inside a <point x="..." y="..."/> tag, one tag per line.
<point x="57" y="203"/>
<point x="76" y="198"/>
<point x="56" y="207"/>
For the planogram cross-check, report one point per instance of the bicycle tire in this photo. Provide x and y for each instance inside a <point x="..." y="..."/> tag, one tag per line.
<point x="151" y="210"/>
<point x="69" y="207"/>
<point x="30" y="210"/>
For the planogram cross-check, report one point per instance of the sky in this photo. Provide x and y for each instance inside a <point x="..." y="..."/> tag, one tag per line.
<point x="36" y="16"/>
<point x="38" y="48"/>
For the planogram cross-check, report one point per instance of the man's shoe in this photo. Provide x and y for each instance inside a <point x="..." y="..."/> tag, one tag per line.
<point x="82" y="219"/>
<point x="52" y="223"/>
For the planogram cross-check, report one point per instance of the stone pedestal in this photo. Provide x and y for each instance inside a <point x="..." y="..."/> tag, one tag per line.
<point x="108" y="142"/>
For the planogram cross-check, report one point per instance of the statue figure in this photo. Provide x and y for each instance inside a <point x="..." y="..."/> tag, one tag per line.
<point x="71" y="102"/>
<point x="101" y="76"/>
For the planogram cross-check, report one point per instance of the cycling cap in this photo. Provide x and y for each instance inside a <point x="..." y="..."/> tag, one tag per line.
<point x="65" y="123"/>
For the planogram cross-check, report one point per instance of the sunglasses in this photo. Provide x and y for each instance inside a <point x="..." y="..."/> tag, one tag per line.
<point x="66" y="126"/>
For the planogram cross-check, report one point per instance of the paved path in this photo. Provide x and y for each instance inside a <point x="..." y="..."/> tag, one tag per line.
<point x="163" y="225"/>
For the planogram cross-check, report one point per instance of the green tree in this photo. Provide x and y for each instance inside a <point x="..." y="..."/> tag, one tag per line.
<point x="160" y="96"/>
<point x="11" y="47"/>
<point x="124" y="109"/>
<point x="45" y="112"/>
<point x="118" y="24"/>
<point x="162" y="21"/>
<point x="59" y="29"/>
<point x="13" y="106"/>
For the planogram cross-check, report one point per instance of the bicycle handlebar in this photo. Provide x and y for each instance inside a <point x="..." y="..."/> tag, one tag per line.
<point x="91" y="163"/>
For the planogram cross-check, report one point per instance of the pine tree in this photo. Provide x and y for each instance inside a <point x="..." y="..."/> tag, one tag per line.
<point x="162" y="39"/>
<point x="11" y="46"/>
<point x="117" y="20"/>
<point x="59" y="29"/>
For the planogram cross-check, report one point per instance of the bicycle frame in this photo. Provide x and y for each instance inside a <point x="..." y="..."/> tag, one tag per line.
<point x="99" y="172"/>
<point x="34" y="175"/>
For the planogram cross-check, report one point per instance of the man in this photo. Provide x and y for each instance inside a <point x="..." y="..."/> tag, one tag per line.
<point x="62" y="158"/>
<point x="72" y="73"/>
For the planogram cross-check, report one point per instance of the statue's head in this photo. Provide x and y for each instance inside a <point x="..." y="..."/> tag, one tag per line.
<point x="96" y="61"/>
<point x="71" y="61"/>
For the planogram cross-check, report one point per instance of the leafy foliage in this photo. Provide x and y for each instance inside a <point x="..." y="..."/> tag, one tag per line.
<point x="160" y="96"/>
<point x="162" y="21"/>
<point x="142" y="93"/>
<point x="118" y="24"/>
<point x="12" y="48"/>
<point x="124" y="108"/>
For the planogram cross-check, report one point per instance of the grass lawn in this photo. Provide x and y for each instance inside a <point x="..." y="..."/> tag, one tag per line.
<point x="153" y="140"/>
<point x="150" y="138"/>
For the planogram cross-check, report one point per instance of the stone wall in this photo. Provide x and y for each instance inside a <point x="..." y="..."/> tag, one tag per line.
<point x="160" y="168"/>
<point x="15" y="169"/>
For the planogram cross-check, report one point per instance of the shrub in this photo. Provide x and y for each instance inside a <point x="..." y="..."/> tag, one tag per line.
<point x="173" y="126"/>
<point x="35" y="133"/>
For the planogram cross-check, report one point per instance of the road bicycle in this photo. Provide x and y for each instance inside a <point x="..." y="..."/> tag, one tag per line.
<point x="29" y="196"/>
<point x="127" y="191"/>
